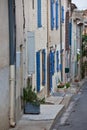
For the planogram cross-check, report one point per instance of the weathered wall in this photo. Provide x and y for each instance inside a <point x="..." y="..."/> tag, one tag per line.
<point x="4" y="66"/>
<point x="31" y="25"/>
<point x="19" y="56"/>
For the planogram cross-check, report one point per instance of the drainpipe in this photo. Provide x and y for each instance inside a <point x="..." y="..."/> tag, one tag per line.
<point x="12" y="62"/>
<point x="61" y="59"/>
<point x="48" y="70"/>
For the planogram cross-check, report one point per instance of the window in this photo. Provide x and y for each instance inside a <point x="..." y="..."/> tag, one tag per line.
<point x="39" y="13"/>
<point x="62" y="14"/>
<point x="54" y="14"/>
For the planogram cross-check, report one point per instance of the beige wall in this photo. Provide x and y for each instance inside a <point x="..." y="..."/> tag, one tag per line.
<point x="4" y="35"/>
<point x="4" y="66"/>
<point x="31" y="25"/>
<point x="19" y="56"/>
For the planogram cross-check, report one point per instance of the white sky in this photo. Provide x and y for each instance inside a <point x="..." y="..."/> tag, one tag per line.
<point x="81" y="4"/>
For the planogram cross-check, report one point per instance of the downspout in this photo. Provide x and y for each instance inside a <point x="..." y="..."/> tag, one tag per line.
<point x="48" y="71"/>
<point x="61" y="59"/>
<point x="12" y="62"/>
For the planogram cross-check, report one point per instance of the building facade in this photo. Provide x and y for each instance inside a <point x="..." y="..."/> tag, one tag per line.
<point x="4" y="65"/>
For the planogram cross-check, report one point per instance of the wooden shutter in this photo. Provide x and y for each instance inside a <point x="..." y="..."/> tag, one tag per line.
<point x="38" y="70"/>
<point x="39" y="13"/>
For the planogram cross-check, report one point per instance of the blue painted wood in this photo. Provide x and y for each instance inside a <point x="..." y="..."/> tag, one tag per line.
<point x="39" y="13"/>
<point x="38" y="70"/>
<point x="56" y="14"/>
<point x="44" y="66"/>
<point x="50" y="71"/>
<point x="52" y="67"/>
<point x="57" y="61"/>
<point x="52" y="14"/>
<point x="62" y="14"/>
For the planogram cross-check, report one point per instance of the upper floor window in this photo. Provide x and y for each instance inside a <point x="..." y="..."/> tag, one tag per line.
<point x="62" y="14"/>
<point x="54" y="14"/>
<point x="39" y="19"/>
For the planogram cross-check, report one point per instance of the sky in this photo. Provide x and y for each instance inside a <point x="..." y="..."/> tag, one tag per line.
<point x="81" y="4"/>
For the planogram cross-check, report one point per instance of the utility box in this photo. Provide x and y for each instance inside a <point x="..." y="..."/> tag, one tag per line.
<point x="66" y="70"/>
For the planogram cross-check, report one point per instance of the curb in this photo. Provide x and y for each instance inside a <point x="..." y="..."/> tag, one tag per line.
<point x="66" y="106"/>
<point x="57" y="117"/>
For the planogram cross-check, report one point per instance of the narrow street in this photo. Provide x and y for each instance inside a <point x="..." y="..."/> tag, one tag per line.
<point x="75" y="117"/>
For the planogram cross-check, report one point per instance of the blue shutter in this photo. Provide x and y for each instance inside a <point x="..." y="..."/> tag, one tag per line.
<point x="39" y="13"/>
<point x="38" y="70"/>
<point x="52" y="65"/>
<point x="50" y="70"/>
<point x="57" y="14"/>
<point x="52" y="14"/>
<point x="53" y="62"/>
<point x="57" y="58"/>
<point x="44" y="66"/>
<point x="62" y="14"/>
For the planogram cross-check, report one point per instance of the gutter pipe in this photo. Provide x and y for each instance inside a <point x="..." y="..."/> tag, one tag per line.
<point x="61" y="59"/>
<point x="48" y="51"/>
<point x="12" y="46"/>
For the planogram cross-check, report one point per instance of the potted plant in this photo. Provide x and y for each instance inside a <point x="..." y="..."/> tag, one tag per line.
<point x="61" y="87"/>
<point x="67" y="85"/>
<point x="31" y="101"/>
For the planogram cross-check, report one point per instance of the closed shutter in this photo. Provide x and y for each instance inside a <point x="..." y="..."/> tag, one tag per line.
<point x="62" y="14"/>
<point x="52" y="67"/>
<point x="39" y="13"/>
<point x="52" y="14"/>
<point x="38" y="70"/>
<point x="57" y="14"/>
<point x="31" y="52"/>
<point x="43" y="67"/>
<point x="57" y="58"/>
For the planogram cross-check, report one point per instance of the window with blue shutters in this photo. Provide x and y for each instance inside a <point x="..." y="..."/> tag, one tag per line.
<point x="62" y="14"/>
<point x="52" y="14"/>
<point x="43" y="67"/>
<point x="56" y="14"/>
<point x="38" y="70"/>
<point x="39" y="13"/>
<point x="57" y="61"/>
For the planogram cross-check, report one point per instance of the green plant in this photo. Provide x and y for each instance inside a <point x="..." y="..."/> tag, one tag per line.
<point x="60" y="85"/>
<point x="67" y="85"/>
<point x="30" y="95"/>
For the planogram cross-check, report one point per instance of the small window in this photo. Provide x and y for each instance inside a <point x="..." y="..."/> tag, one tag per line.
<point x="32" y="4"/>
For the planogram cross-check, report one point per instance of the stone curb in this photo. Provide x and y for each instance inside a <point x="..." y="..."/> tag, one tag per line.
<point x="65" y="106"/>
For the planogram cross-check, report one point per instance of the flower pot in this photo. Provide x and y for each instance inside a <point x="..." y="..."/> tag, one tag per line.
<point x="61" y="89"/>
<point x="30" y="108"/>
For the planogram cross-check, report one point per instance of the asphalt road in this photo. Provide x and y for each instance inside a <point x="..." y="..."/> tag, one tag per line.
<point x="75" y="117"/>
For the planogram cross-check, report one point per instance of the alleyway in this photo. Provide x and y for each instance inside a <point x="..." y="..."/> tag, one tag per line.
<point x="75" y="117"/>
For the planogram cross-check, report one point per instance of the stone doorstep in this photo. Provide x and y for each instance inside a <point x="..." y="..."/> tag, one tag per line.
<point x="54" y="100"/>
